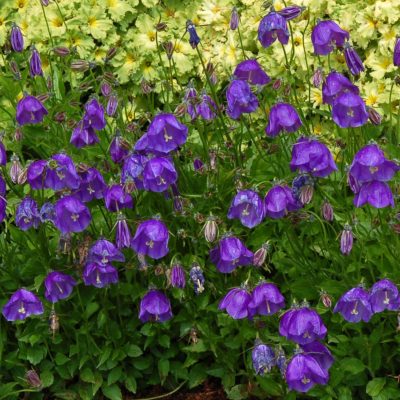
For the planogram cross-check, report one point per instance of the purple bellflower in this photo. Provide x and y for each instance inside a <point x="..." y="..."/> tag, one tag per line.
<point x="327" y="35"/>
<point x="384" y="295"/>
<point x="240" y="99"/>
<point x="83" y="135"/>
<point x="35" y="64"/>
<point x="279" y="201"/>
<point x="123" y="235"/>
<point x="229" y="254"/>
<point x="236" y="303"/>
<point x="27" y="215"/>
<point x="349" y="110"/>
<point x="375" y="193"/>
<point x="91" y="186"/>
<point x="283" y="117"/>
<point x="21" y="305"/>
<point x="58" y="286"/>
<point x="354" y="305"/>
<point x="151" y="239"/>
<point x="61" y="173"/>
<point x="103" y="252"/>
<point x="353" y="60"/>
<point x="248" y="207"/>
<point x="320" y="353"/>
<point x="71" y="215"/>
<point x="30" y="110"/>
<point x="273" y="26"/>
<point x="118" y="148"/>
<point x="158" y="174"/>
<point x="263" y="358"/>
<point x="266" y="299"/>
<point x="177" y="277"/>
<point x="94" y="115"/>
<point x="99" y="275"/>
<point x="155" y="306"/>
<point x="335" y="84"/>
<point x="252" y="72"/>
<point x="116" y="198"/>
<point x="36" y="174"/>
<point x="16" y="38"/>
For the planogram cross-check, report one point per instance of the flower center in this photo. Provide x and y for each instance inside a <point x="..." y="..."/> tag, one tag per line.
<point x="75" y="217"/>
<point x="245" y="212"/>
<point x="59" y="288"/>
<point x="162" y="181"/>
<point x="387" y="300"/>
<point x="60" y="175"/>
<point x="167" y="138"/>
<point x="22" y="309"/>
<point x="150" y="244"/>
<point x="235" y="261"/>
<point x="27" y="220"/>
<point x="350" y="113"/>
<point x="305" y="380"/>
<point x="373" y="169"/>
<point x="306" y="335"/>
<point x="90" y="190"/>
<point x="354" y="311"/>
<point x="268" y="307"/>
<point x="98" y="277"/>
<point x="32" y="116"/>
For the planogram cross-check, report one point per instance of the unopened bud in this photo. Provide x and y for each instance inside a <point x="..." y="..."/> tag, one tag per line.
<point x="112" y="105"/>
<point x="277" y="84"/>
<point x="60" y="117"/>
<point x="105" y="89"/>
<point x="234" y="22"/>
<point x="80" y="65"/>
<point x="16" y="168"/>
<point x="18" y="134"/>
<point x="180" y="110"/>
<point x="318" y="77"/>
<point x="213" y="160"/>
<point x="211" y="229"/>
<point x="61" y="51"/>
<point x="161" y="26"/>
<point x="374" y="116"/>
<point x="15" y="70"/>
<point x="260" y="255"/>
<point x="326" y="299"/>
<point x="43" y="97"/>
<point x="111" y="53"/>
<point x="146" y="87"/>
<point x="32" y="379"/>
<point x="346" y="240"/>
<point x="306" y="194"/>
<point x="169" y="49"/>
<point x="327" y="211"/>
<point x="287" y="90"/>
<point x="21" y="179"/>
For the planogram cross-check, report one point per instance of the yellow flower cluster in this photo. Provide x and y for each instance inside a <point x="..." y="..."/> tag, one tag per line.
<point x="95" y="26"/>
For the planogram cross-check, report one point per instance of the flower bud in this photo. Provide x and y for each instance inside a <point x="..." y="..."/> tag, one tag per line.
<point x="169" y="49"/>
<point x="277" y="84"/>
<point x="111" y="53"/>
<point x="80" y="65"/>
<point x="211" y="229"/>
<point x="327" y="211"/>
<point x="213" y="160"/>
<point x="260" y="255"/>
<point x="374" y="116"/>
<point x="105" y="89"/>
<point x="45" y="2"/>
<point x="21" y="179"/>
<point x="234" y="22"/>
<point x="16" y="39"/>
<point x="18" y="134"/>
<point x="112" y="105"/>
<point x="198" y="165"/>
<point x="306" y="194"/>
<point x="353" y="60"/>
<point x="291" y="12"/>
<point x="61" y="51"/>
<point x="318" y="77"/>
<point x="346" y="240"/>
<point x="326" y="299"/>
<point x="146" y="87"/>
<point x="161" y="26"/>
<point x="15" y="70"/>
<point x="16" y="168"/>
<point x="43" y="97"/>
<point x="32" y="379"/>
<point x="180" y="110"/>
<point x="177" y="277"/>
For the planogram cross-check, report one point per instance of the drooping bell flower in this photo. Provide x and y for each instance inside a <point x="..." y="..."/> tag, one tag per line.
<point x="83" y="135"/>
<point x="206" y="108"/>
<point x="158" y="174"/>
<point x="377" y="194"/>
<point x="320" y="353"/>
<point x="303" y="372"/>
<point x="133" y="169"/>
<point x="71" y="215"/>
<point x="99" y="275"/>
<point x="3" y="154"/>
<point x="36" y="174"/>
<point x="263" y="358"/>
<point x="155" y="306"/>
<point x="123" y="235"/>
<point x="164" y="134"/>
<point x="58" y="286"/>
<point x="229" y="254"/>
<point x="47" y="212"/>
<point x="35" y="64"/>
<point x="354" y="305"/>
<point x="353" y="60"/>
<point x="3" y="207"/>
<point x="190" y="101"/>
<point x="92" y="185"/>
<point x="178" y="279"/>
<point x="27" y="215"/>
<point x="327" y="35"/>
<point x="194" y="39"/>
<point x="252" y="72"/>
<point x="335" y="84"/>
<point x="370" y="164"/>
<point x="234" y="21"/>
<point x="273" y="26"/>
<point x="236" y="303"/>
<point x="16" y="38"/>
<point x="94" y="115"/>
<point x="349" y="110"/>
<point x="312" y="157"/>
<point x="346" y="240"/>
<point x="197" y="277"/>
<point x="151" y="239"/>
<point x="283" y="117"/>
<point x="281" y="360"/>
<point x="240" y="99"/>
<point x="119" y="148"/>
<point x="61" y="173"/>
<point x="302" y="325"/>
<point x="103" y="252"/>
<point x="396" y="52"/>
<point x="30" y="111"/>
<point x="21" y="305"/>
<point x="266" y="299"/>
<point x="291" y="12"/>
<point x="116" y="198"/>
<point x="112" y="105"/>
<point x="248" y="207"/>
<point x="279" y="201"/>
<point x="384" y="295"/>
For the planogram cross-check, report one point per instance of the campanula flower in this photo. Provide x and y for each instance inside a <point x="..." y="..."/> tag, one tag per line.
<point x="354" y="305"/>
<point x="248" y="207"/>
<point x="103" y="252"/>
<point x="58" y="286"/>
<point x="159" y="174"/>
<point x="240" y="99"/>
<point x="327" y="35"/>
<point x="99" y="275"/>
<point x="353" y="60"/>
<point x="21" y="305"/>
<point x="16" y="38"/>
<point x="384" y="295"/>
<point x="279" y="201"/>
<point x="116" y="198"/>
<point x="236" y="303"/>
<point x="155" y="306"/>
<point x="263" y="358"/>
<point x="273" y="26"/>
<point x="30" y="111"/>
<point x="71" y="215"/>
<point x="349" y="110"/>
<point x="35" y="64"/>
<point x="94" y="115"/>
<point x="27" y="215"/>
<point x="336" y="84"/>
<point x="377" y="194"/>
<point x="283" y="117"/>
<point x="252" y="72"/>
<point x="266" y="299"/>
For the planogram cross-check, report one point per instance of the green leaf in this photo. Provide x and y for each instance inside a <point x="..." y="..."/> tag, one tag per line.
<point x="197" y="375"/>
<point x="47" y="378"/>
<point x="114" y="375"/>
<point x="238" y="392"/>
<point x="87" y="375"/>
<point x="130" y="384"/>
<point x="61" y="359"/>
<point x="134" y="351"/>
<point x="104" y="356"/>
<point x="375" y="386"/>
<point x="112" y="392"/>
<point x="163" y="369"/>
<point x="352" y="365"/>
<point x="164" y="341"/>
<point x="35" y="354"/>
